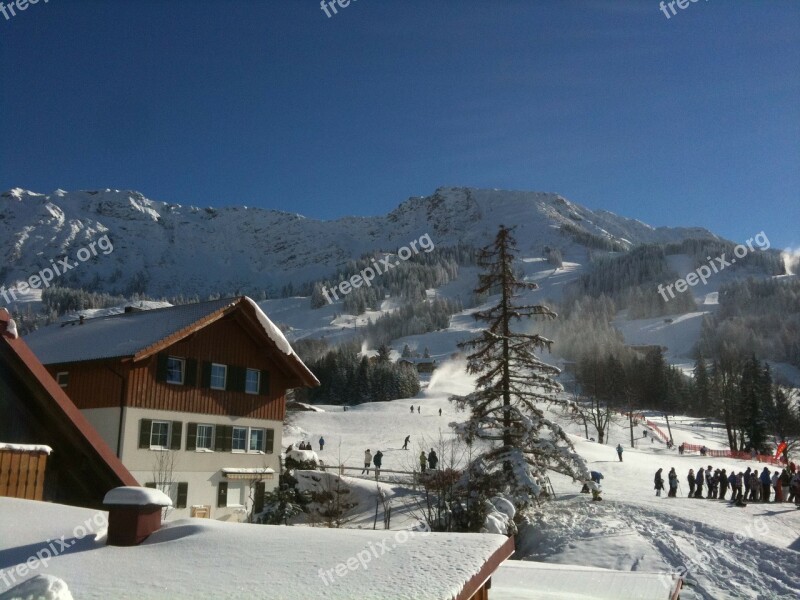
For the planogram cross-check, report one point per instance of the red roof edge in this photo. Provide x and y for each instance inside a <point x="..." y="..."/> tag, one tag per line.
<point x="69" y="410"/>
<point x="487" y="570"/>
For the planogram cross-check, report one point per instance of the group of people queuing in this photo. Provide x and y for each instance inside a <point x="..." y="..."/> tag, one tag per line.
<point x="783" y="485"/>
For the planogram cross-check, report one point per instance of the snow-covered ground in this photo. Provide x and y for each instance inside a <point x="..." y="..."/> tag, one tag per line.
<point x="724" y="551"/>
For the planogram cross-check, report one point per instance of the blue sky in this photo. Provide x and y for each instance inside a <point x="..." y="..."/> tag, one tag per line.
<point x="692" y="120"/>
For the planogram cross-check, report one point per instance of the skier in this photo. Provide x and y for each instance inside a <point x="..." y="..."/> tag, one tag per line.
<point x="433" y="460"/>
<point x="619" y="451"/>
<point x="776" y="486"/>
<point x="321" y="443"/>
<point x="596" y="476"/>
<point x="405" y="442"/>
<point x="422" y="461"/>
<point x="659" y="481"/>
<point x="710" y="482"/>
<point x="673" y="483"/>
<point x="595" y="487"/>
<point x="746" y="482"/>
<point x="737" y="490"/>
<point x="723" y="484"/>
<point x="766" y="482"/>
<point x="755" y="486"/>
<point x="681" y="448"/>
<point x="367" y="461"/>
<point x="698" y="481"/>
<point x="690" y="479"/>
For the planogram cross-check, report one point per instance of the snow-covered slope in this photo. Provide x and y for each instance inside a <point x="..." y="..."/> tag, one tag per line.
<point x="169" y="249"/>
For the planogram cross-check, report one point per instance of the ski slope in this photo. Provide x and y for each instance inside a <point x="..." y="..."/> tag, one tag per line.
<point x="722" y="550"/>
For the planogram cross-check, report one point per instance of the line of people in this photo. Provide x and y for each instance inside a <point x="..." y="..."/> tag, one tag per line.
<point x="748" y="485"/>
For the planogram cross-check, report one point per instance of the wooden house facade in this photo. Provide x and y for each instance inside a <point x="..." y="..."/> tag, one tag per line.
<point x="185" y="395"/>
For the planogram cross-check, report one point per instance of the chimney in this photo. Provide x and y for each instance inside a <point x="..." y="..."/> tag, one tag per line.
<point x="133" y="514"/>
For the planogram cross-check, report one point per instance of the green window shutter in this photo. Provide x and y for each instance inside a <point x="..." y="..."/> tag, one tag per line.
<point x="177" y="435"/>
<point x="206" y="375"/>
<point x="258" y="501"/>
<point x="150" y="484"/>
<point x="183" y="492"/>
<point x="222" y="494"/>
<point x="161" y="367"/>
<point x="144" y="432"/>
<point x="264" y="384"/>
<point x="224" y="438"/>
<point x="190" y="377"/>
<point x="270" y="441"/>
<point x="191" y="436"/>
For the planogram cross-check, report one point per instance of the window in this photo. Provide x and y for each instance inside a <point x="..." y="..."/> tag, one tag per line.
<point x="256" y="440"/>
<point x="62" y="379"/>
<point x="237" y="494"/>
<point x="175" y="370"/>
<point x="205" y="433"/>
<point x="159" y="435"/>
<point x="252" y="382"/>
<point x="239" y="443"/>
<point x="219" y="375"/>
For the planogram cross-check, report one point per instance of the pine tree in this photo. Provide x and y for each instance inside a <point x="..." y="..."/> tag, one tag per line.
<point x="512" y="380"/>
<point x="702" y="399"/>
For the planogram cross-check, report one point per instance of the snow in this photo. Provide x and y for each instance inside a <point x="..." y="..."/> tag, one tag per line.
<point x="211" y="559"/>
<point x="303" y="455"/>
<point x="26" y="448"/>
<point x="40" y="587"/>
<point x="136" y="496"/>
<point x="246" y="471"/>
<point x="275" y="334"/>
<point x="517" y="580"/>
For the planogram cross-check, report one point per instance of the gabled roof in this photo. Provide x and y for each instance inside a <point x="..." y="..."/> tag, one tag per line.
<point x="140" y="334"/>
<point x="73" y="439"/>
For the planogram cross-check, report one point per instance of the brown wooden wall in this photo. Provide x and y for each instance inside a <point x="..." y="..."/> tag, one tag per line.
<point x="226" y="341"/>
<point x="22" y="474"/>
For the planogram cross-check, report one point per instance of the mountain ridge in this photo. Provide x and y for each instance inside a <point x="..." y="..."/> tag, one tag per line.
<point x="168" y="249"/>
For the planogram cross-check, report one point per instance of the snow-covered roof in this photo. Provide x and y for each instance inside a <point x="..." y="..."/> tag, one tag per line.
<point x="116" y="336"/>
<point x="203" y="558"/>
<point x="137" y="333"/>
<point x="136" y="496"/>
<point x="26" y="448"/>
<point x="528" y="580"/>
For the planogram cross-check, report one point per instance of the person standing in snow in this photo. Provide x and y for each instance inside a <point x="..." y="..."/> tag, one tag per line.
<point x="378" y="460"/>
<point x="710" y="483"/>
<point x="423" y="461"/>
<point x="690" y="479"/>
<point x="321" y="443"/>
<point x="746" y="482"/>
<point x="698" y="481"/>
<point x="419" y="408"/>
<point x="412" y="409"/>
<point x="766" y="483"/>
<point x="367" y="461"/>
<point x="433" y="460"/>
<point x="776" y="485"/>
<point x="723" y="484"/>
<point x="405" y="442"/>
<point x="619" y="451"/>
<point x="440" y="412"/>
<point x="755" y="486"/>
<point x="673" y="483"/>
<point x="659" y="482"/>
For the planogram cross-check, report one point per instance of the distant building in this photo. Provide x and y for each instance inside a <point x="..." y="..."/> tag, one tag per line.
<point x="422" y="365"/>
<point x="191" y="398"/>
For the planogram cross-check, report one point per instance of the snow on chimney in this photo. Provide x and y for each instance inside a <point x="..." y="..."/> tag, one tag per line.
<point x="133" y="514"/>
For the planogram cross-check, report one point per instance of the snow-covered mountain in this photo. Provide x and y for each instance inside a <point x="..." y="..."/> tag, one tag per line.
<point x="168" y="249"/>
